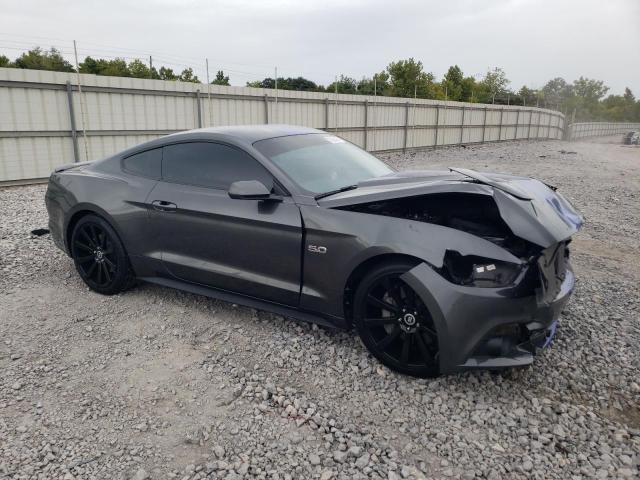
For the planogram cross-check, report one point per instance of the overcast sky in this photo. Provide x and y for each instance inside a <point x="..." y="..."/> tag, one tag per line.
<point x="532" y="40"/>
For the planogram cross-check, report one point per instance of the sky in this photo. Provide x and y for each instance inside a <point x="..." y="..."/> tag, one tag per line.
<point x="532" y="40"/>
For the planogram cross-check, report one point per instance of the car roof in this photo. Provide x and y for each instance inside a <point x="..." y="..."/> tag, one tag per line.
<point x="249" y="133"/>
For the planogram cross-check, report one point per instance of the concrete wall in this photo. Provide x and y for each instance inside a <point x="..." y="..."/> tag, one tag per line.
<point x="113" y="113"/>
<point x="599" y="129"/>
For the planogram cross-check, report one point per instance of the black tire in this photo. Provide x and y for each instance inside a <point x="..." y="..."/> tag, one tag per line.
<point x="393" y="322"/>
<point x="100" y="257"/>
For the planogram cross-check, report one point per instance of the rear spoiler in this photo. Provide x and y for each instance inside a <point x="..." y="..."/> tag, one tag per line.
<point x="69" y="166"/>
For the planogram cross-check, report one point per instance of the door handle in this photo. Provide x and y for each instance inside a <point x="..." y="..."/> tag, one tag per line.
<point x="164" y="206"/>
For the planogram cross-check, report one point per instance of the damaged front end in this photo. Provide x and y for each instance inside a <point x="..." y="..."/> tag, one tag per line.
<point x="493" y="313"/>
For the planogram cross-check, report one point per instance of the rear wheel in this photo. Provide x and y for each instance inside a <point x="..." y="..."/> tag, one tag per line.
<point x="393" y="322"/>
<point x="99" y="256"/>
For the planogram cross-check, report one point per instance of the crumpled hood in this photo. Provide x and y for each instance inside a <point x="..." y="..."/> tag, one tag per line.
<point x="532" y="210"/>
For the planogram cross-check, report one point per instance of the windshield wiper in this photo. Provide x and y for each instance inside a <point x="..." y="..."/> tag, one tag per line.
<point x="333" y="192"/>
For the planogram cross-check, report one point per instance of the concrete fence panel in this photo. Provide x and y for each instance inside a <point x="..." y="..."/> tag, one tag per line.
<point x="576" y="131"/>
<point x="46" y="120"/>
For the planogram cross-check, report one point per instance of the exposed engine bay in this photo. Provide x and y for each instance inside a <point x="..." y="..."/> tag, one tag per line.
<point x="477" y="215"/>
<point x="471" y="213"/>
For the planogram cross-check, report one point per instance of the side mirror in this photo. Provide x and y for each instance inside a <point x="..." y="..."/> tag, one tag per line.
<point x="250" y="190"/>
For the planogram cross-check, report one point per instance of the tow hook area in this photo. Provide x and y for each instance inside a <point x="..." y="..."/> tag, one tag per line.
<point x="515" y="339"/>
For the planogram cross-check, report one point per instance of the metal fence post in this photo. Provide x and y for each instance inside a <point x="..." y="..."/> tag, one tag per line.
<point x="72" y="118"/>
<point x="515" y="135"/>
<point x="406" y="126"/>
<point x="500" y="129"/>
<point x="266" y="108"/>
<point x="366" y="122"/>
<point x="549" y="126"/>
<point x="435" y="144"/>
<point x="529" y="127"/>
<point x="326" y="114"/>
<point x="199" y="109"/>
<point x="464" y="110"/>
<point x="484" y="123"/>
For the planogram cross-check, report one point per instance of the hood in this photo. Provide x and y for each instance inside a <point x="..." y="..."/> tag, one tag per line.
<point x="532" y="210"/>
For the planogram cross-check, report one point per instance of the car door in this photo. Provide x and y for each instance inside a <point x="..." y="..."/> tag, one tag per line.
<point x="251" y="247"/>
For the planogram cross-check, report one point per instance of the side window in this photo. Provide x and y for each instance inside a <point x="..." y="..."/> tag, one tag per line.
<point x="210" y="165"/>
<point x="146" y="164"/>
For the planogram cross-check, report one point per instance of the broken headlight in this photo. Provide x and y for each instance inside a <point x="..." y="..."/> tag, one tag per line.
<point x="474" y="271"/>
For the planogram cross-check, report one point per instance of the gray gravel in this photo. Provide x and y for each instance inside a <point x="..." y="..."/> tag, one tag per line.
<point x="156" y="383"/>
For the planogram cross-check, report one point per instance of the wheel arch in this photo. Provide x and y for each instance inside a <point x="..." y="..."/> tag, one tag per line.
<point x="358" y="273"/>
<point x="82" y="210"/>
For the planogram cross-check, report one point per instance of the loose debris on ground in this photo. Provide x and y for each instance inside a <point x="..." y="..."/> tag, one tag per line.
<point x="155" y="383"/>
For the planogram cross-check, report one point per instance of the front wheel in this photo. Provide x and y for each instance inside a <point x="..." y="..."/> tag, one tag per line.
<point x="394" y="323"/>
<point x="99" y="256"/>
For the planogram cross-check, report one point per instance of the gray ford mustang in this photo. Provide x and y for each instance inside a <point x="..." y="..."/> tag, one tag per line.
<point x="438" y="271"/>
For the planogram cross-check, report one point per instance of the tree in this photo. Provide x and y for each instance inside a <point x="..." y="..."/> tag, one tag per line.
<point x="38" y="59"/>
<point x="556" y="92"/>
<point x="377" y="85"/>
<point x="116" y="68"/>
<point x="344" y="85"/>
<point x="527" y="96"/>
<point x="5" y="62"/>
<point x="495" y="83"/>
<point x="453" y="84"/>
<point x="187" y="75"/>
<point x="139" y="70"/>
<point x="469" y="90"/>
<point x="220" y="79"/>
<point x="590" y="90"/>
<point x="167" y="74"/>
<point x="300" y="84"/>
<point x="628" y="95"/>
<point x="407" y="79"/>
<point x="585" y="101"/>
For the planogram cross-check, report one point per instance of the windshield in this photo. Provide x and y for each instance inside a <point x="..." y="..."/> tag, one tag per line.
<point x="321" y="162"/>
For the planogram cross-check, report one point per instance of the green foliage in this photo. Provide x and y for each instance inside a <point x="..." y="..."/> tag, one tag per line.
<point x="582" y="100"/>
<point x="556" y="91"/>
<point x="526" y="96"/>
<point x="220" y="79"/>
<point x="38" y="59"/>
<point x="344" y="84"/>
<point x="408" y="79"/>
<point x="299" y="84"/>
<point x="116" y="68"/>
<point x="377" y="85"/>
<point x="453" y="84"/>
<point x="167" y="74"/>
<point x="187" y="75"/>
<point x="494" y="84"/>
<point x="138" y="69"/>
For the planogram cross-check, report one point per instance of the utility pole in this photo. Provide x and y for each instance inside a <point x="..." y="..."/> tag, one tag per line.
<point x="150" y="66"/>
<point x="335" y="110"/>
<point x="375" y="94"/>
<point x="275" y="113"/>
<point x="84" y="132"/>
<point x="208" y="90"/>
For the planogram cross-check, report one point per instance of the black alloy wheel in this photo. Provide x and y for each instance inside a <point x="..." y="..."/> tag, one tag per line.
<point x="394" y="323"/>
<point x="99" y="256"/>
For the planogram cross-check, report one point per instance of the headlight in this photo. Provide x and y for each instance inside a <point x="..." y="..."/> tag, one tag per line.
<point x="474" y="271"/>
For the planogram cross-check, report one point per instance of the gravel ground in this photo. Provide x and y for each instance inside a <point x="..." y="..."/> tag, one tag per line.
<point x="155" y="383"/>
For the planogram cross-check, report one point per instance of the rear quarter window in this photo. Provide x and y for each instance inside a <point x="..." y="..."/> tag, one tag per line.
<point x="145" y="164"/>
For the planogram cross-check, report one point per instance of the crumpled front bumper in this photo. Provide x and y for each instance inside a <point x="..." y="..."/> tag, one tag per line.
<point x="468" y="320"/>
